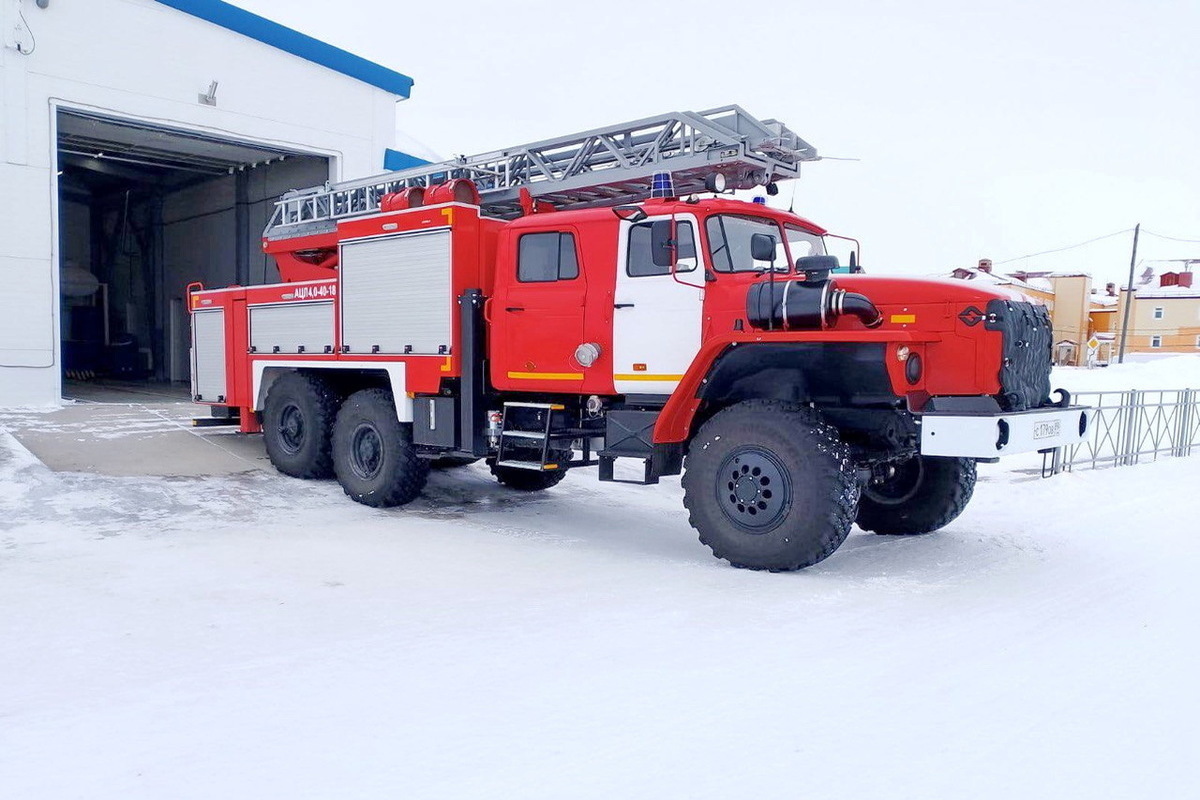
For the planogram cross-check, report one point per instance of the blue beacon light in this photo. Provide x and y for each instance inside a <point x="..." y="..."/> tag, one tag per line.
<point x="661" y="185"/>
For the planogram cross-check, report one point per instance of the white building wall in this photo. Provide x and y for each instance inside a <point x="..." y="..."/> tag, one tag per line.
<point x="138" y="59"/>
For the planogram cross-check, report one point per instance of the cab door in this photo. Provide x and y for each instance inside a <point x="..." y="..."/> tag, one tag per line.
<point x="658" y="311"/>
<point x="538" y="317"/>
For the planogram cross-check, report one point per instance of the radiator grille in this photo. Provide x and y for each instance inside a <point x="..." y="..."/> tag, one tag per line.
<point x="1028" y="343"/>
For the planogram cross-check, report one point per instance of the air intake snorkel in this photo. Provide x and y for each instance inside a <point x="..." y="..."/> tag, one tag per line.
<point x="812" y="302"/>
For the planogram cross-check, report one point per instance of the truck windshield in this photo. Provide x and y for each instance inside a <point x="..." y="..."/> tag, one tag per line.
<point x="729" y="243"/>
<point x="804" y="243"/>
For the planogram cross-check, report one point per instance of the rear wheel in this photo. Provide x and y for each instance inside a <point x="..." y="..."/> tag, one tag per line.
<point x="924" y="494"/>
<point x="770" y="486"/>
<point x="530" y="480"/>
<point x="373" y="453"/>
<point x="297" y="422"/>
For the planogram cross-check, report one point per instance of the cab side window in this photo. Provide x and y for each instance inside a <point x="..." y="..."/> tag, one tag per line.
<point x="545" y="257"/>
<point x="649" y="251"/>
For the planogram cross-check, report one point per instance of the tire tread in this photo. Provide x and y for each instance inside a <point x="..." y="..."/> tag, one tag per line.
<point x="933" y="508"/>
<point x="838" y="514"/>
<point x="319" y="466"/>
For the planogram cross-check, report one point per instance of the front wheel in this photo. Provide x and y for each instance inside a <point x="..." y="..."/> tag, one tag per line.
<point x="770" y="486"/>
<point x="373" y="453"/>
<point x="923" y="494"/>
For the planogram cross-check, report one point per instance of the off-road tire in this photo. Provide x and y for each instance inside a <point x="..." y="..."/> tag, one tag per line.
<point x="373" y="454"/>
<point x="768" y="485"/>
<point x="926" y="494"/>
<point x="528" y="480"/>
<point x="297" y="423"/>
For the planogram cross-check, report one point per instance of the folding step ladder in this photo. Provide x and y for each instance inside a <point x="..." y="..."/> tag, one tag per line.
<point x="605" y="166"/>
<point x="538" y="437"/>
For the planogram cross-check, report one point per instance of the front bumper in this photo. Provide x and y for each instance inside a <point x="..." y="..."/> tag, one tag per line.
<point x="995" y="435"/>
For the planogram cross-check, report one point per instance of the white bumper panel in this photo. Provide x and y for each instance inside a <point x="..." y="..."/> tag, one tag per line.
<point x="991" y="436"/>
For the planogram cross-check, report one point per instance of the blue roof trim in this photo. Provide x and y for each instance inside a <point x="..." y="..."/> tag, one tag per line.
<point x="294" y="42"/>
<point x="395" y="160"/>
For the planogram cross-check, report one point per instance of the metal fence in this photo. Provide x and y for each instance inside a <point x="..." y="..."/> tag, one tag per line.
<point x="1133" y="426"/>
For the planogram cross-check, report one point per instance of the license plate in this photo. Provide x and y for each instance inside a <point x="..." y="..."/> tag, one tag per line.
<point x="1047" y="430"/>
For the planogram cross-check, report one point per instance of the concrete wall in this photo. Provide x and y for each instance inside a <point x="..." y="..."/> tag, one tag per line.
<point x="137" y="59"/>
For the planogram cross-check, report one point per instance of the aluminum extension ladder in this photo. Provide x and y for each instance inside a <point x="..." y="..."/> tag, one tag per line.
<point x="604" y="166"/>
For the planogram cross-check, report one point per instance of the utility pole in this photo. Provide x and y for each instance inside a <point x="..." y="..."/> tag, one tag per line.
<point x="1128" y="295"/>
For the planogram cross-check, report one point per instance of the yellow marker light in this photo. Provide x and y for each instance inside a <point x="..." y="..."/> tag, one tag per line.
<point x="903" y="319"/>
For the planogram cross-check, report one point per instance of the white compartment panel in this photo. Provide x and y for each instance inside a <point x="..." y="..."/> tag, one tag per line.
<point x="396" y="293"/>
<point x="208" y="355"/>
<point x="291" y="327"/>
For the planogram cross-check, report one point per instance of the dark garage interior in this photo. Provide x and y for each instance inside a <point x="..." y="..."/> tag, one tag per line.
<point x="143" y="212"/>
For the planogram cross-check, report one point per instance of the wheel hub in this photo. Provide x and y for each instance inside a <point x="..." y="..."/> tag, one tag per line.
<point x="753" y="489"/>
<point x="291" y="428"/>
<point x="898" y="487"/>
<point x="366" y="452"/>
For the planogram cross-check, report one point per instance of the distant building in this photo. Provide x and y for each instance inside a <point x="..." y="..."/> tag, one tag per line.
<point x="1164" y="318"/>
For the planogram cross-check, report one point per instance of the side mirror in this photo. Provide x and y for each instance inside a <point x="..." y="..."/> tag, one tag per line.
<point x="762" y="247"/>
<point x="632" y="214"/>
<point x="662" y="246"/>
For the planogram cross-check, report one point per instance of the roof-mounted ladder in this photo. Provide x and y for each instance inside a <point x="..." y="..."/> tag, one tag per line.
<point x="604" y="166"/>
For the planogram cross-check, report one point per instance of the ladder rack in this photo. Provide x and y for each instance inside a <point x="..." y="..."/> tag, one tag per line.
<point x="605" y="166"/>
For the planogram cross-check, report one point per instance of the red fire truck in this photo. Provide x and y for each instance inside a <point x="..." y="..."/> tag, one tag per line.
<point x="601" y="296"/>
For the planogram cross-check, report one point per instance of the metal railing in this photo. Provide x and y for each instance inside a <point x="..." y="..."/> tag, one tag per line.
<point x="1133" y="426"/>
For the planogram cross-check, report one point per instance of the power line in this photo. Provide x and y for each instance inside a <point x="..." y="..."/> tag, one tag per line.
<point x="1068" y="247"/>
<point x="1171" y="238"/>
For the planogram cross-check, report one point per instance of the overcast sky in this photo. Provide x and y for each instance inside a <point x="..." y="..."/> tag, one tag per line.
<point x="983" y="129"/>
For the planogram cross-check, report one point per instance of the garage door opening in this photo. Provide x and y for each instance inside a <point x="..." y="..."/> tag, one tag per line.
<point x="143" y="211"/>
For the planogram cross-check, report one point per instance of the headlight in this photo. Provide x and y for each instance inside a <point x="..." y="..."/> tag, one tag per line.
<point x="587" y="353"/>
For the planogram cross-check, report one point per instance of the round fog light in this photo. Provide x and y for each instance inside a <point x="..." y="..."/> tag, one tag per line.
<point x="912" y="368"/>
<point x="902" y="352"/>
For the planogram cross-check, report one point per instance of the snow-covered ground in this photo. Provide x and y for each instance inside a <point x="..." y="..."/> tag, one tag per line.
<point x="254" y="636"/>
<point x="1164" y="372"/>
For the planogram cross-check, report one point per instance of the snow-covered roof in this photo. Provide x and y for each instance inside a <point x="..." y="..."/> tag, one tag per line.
<point x="976" y="274"/>
<point x="1169" y="292"/>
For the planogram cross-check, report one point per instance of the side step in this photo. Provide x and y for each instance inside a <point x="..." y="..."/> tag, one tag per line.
<point x="629" y="433"/>
<point x="212" y="422"/>
<point x="649" y="478"/>
<point x="532" y="429"/>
